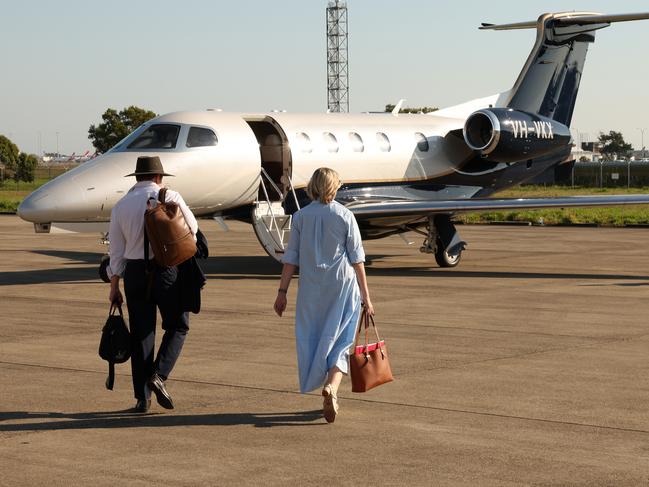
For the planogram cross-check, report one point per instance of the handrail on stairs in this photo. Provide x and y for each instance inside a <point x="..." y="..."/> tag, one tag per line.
<point x="274" y="231"/>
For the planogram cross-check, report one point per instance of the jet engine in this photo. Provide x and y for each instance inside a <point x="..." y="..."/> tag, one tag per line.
<point x="507" y="135"/>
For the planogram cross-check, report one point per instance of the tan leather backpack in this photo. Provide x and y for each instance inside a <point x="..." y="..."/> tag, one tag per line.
<point x="171" y="238"/>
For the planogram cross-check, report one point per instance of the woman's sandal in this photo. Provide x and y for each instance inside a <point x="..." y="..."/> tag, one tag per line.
<point x="329" y="404"/>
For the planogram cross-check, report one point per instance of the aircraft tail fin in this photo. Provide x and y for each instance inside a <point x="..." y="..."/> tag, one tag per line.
<point x="549" y="81"/>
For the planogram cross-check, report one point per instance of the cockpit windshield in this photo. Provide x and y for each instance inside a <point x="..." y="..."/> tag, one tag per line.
<point x="158" y="136"/>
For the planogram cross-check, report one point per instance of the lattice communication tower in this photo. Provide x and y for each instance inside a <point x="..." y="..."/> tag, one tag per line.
<point x="337" y="67"/>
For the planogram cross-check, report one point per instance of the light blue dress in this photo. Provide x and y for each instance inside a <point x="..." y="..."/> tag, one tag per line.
<point x="325" y="242"/>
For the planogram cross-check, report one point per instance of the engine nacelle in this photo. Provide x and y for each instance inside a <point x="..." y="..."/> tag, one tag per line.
<point x="507" y="135"/>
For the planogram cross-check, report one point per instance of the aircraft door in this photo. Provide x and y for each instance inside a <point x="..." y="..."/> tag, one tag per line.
<point x="275" y="157"/>
<point x="270" y="219"/>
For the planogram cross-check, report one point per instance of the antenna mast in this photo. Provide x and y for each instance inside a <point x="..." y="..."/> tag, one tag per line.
<point x="337" y="67"/>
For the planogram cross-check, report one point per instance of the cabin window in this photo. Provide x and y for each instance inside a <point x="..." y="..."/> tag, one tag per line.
<point x="159" y="136"/>
<point x="422" y="142"/>
<point x="304" y="143"/>
<point x="383" y="142"/>
<point x="201" y="137"/>
<point x="331" y="143"/>
<point x="356" y="142"/>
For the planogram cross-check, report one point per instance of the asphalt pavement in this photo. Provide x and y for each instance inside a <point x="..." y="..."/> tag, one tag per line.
<point x="526" y="365"/>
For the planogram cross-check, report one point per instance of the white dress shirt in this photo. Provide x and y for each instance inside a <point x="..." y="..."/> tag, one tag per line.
<point x="126" y="232"/>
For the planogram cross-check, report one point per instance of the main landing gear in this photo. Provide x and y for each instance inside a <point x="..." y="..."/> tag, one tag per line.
<point x="105" y="259"/>
<point x="443" y="240"/>
<point x="103" y="265"/>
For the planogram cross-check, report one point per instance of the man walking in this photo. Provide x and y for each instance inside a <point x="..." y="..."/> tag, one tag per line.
<point x="145" y="290"/>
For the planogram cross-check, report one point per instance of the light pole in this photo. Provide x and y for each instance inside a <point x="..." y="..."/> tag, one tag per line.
<point x="628" y="174"/>
<point x="601" y="174"/>
<point x="57" y="145"/>
<point x="642" y="141"/>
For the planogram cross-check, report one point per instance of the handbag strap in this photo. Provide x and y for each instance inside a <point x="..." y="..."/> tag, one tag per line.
<point x="110" y="380"/>
<point x="115" y="306"/>
<point x="365" y="319"/>
<point x="376" y="330"/>
<point x="360" y="326"/>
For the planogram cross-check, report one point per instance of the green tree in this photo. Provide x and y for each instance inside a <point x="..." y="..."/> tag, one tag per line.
<point x="390" y="107"/>
<point x="613" y="145"/>
<point x="26" y="167"/>
<point x="8" y="153"/>
<point x="117" y="125"/>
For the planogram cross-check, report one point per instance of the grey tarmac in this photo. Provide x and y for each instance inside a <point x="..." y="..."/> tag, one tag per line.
<point x="526" y="365"/>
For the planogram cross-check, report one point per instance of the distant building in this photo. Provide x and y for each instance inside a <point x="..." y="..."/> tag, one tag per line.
<point x="581" y="155"/>
<point x="640" y="155"/>
<point x="594" y="147"/>
<point x="589" y="152"/>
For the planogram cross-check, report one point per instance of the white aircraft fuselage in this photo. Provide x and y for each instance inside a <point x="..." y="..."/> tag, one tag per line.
<point x="363" y="148"/>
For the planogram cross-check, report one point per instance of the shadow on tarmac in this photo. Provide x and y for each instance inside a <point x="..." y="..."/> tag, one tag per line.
<point x="129" y="419"/>
<point x="47" y="276"/>
<point x="242" y="267"/>
<point x="263" y="267"/>
<point x="73" y="256"/>
<point x="437" y="272"/>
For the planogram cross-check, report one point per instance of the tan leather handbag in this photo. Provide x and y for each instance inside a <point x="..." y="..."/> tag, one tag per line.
<point x="369" y="365"/>
<point x="166" y="229"/>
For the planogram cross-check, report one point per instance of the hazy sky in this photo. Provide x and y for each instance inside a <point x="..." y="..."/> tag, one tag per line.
<point x="64" y="62"/>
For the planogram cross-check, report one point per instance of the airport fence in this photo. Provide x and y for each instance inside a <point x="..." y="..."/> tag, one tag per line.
<point x="42" y="173"/>
<point x="609" y="174"/>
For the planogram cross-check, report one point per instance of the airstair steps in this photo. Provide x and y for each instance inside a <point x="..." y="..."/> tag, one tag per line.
<point x="271" y="223"/>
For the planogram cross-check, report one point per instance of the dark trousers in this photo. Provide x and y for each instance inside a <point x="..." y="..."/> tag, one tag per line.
<point x="165" y="295"/>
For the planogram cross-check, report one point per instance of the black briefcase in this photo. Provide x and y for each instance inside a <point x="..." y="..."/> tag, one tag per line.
<point x="115" y="343"/>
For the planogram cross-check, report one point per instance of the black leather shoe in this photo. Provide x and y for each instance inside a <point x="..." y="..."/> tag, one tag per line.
<point x="157" y="385"/>
<point x="142" y="406"/>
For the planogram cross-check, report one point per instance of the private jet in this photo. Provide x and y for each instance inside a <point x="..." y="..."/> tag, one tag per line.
<point x="400" y="172"/>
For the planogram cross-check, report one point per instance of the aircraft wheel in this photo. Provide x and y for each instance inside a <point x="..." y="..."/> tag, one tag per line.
<point x="444" y="259"/>
<point x="103" y="272"/>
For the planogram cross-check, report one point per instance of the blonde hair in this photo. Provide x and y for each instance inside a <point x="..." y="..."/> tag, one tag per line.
<point x="323" y="185"/>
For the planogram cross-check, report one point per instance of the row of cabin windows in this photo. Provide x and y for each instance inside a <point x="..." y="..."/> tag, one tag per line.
<point x="165" y="136"/>
<point x="356" y="142"/>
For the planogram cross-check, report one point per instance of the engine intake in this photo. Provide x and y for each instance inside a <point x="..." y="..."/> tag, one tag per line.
<point x="507" y="135"/>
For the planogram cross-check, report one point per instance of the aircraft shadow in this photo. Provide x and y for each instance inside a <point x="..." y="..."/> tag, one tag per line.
<point x="247" y="267"/>
<point x="263" y="267"/>
<point x="240" y="267"/>
<point x="73" y="256"/>
<point x="47" y="276"/>
<point x="129" y="419"/>
<point x="437" y="272"/>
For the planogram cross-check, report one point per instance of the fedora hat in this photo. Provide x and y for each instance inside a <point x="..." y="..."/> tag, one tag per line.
<point x="148" y="165"/>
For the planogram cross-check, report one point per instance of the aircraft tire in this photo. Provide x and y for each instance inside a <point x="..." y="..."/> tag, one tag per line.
<point x="103" y="272"/>
<point x="445" y="260"/>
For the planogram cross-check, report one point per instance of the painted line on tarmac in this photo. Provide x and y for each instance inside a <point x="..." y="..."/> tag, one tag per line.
<point x="358" y="399"/>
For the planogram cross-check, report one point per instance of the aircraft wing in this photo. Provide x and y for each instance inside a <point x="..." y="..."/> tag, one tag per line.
<point x="366" y="209"/>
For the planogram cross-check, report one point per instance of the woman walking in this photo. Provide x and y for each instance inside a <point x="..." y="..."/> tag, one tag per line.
<point x="326" y="244"/>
